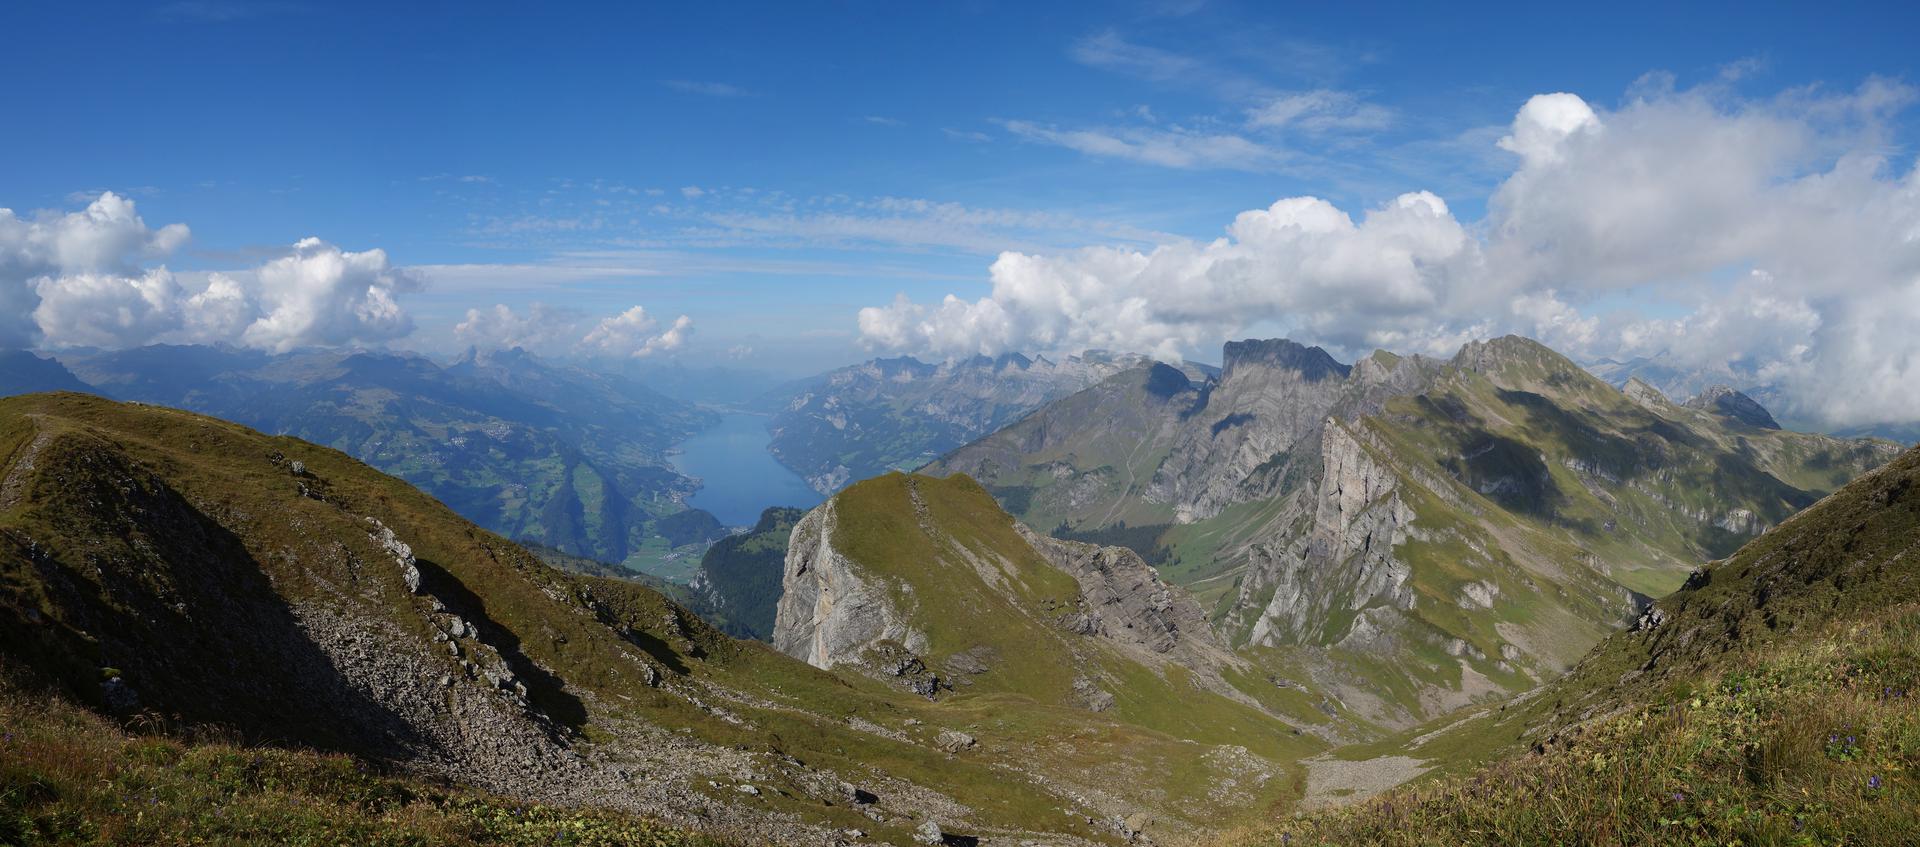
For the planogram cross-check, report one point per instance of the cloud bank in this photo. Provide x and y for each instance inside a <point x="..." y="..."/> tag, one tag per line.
<point x="80" y="279"/>
<point x="541" y="328"/>
<point x="1773" y="238"/>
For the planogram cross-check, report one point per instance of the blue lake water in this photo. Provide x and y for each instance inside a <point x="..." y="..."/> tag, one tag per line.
<point x="739" y="478"/>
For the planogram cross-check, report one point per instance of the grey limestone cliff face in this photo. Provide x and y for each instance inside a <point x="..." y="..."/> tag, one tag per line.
<point x="830" y="610"/>
<point x="1270" y="395"/>
<point x="1256" y="431"/>
<point x="1338" y="553"/>
<point x="833" y="611"/>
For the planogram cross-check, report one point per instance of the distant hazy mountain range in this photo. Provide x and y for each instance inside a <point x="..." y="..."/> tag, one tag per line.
<point x="892" y="414"/>
<point x="553" y="454"/>
<point x="1683" y="384"/>
<point x="22" y="372"/>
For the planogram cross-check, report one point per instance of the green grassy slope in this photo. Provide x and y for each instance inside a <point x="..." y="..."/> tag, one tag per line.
<point x="963" y="577"/>
<point x="1647" y="491"/>
<point x="162" y="550"/>
<point x="188" y="560"/>
<point x="1543" y="502"/>
<point x="529" y="449"/>
<point x="1769" y="701"/>
<point x="1084" y="459"/>
<point x="971" y="583"/>
<point x="738" y="584"/>
<point x="1531" y="477"/>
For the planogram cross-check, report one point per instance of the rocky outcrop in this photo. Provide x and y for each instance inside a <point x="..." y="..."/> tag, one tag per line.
<point x="831" y="610"/>
<point x="1270" y="396"/>
<point x="1642" y="392"/>
<point x="1722" y="400"/>
<point x="1125" y="602"/>
<point x="1304" y="476"/>
<point x="834" y="611"/>
<point x="871" y="616"/>
<point x="1340" y="555"/>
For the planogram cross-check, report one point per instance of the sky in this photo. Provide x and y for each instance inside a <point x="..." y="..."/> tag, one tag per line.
<point x="792" y="187"/>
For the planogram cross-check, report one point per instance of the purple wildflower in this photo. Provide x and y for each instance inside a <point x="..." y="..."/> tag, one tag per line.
<point x="1873" y="782"/>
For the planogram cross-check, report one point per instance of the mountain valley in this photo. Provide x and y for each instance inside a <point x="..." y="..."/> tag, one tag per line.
<point x="1159" y="609"/>
<point x="1414" y="534"/>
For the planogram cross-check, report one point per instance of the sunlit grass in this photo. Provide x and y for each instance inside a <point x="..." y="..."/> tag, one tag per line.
<point x="1818" y="743"/>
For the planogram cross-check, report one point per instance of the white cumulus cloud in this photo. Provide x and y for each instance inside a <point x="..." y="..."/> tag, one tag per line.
<point x="78" y="274"/>
<point x="631" y="334"/>
<point x="1300" y="258"/>
<point x="324" y="296"/>
<point x="634" y="333"/>
<point x="1545" y="123"/>
<point x="82" y="279"/>
<point x="1775" y="238"/>
<point x="540" y="327"/>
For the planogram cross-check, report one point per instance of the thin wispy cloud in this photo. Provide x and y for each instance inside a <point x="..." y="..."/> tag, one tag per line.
<point x="683" y="262"/>
<point x="1234" y="71"/>
<point x="969" y="136"/>
<point x="1320" y="111"/>
<point x="469" y="179"/>
<point x="1109" y="51"/>
<point x="736" y="217"/>
<point x="530" y="224"/>
<point x="1172" y="146"/>
<point x="883" y="120"/>
<point x="914" y="224"/>
<point x="520" y="276"/>
<point x="706" y="88"/>
<point x="582" y="269"/>
<point x="87" y="195"/>
<point x="1246" y="137"/>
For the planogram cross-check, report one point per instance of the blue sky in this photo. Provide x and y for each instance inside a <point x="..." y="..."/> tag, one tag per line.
<point x="768" y="170"/>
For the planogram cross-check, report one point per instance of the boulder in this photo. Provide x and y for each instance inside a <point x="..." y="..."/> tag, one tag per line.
<point x="954" y="742"/>
<point x="929" y="833"/>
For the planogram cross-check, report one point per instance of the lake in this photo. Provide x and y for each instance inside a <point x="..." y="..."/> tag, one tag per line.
<point x="739" y="478"/>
